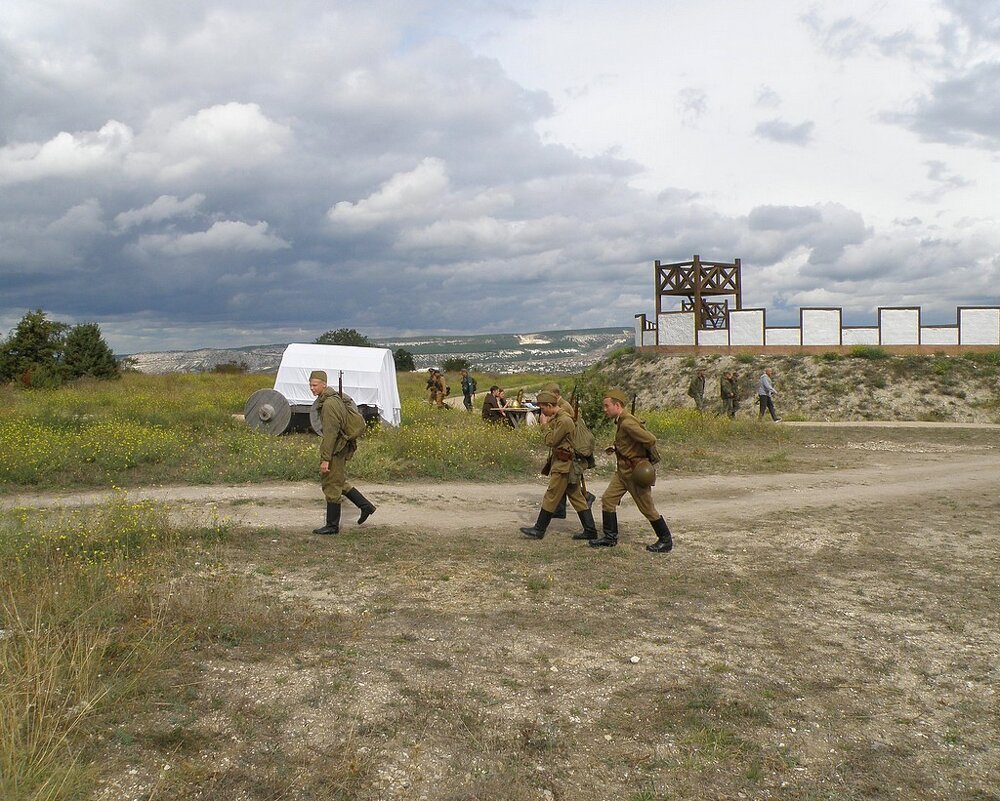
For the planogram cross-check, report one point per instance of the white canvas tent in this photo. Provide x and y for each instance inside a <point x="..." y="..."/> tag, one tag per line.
<point x="369" y="376"/>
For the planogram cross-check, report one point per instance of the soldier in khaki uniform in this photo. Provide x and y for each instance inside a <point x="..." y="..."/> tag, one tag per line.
<point x="335" y="451"/>
<point x="564" y="477"/>
<point x="566" y="406"/>
<point x="632" y="443"/>
<point x="440" y="389"/>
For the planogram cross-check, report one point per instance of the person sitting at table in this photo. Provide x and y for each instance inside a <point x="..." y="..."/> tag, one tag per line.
<point x="506" y="418"/>
<point x="491" y="406"/>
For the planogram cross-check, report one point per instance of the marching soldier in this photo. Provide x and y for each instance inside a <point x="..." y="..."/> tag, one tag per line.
<point x="431" y="385"/>
<point x="696" y="389"/>
<point x="562" y="470"/>
<point x="635" y="475"/>
<point x="335" y="451"/>
<point x="566" y="406"/>
<point x="729" y="391"/>
<point x="441" y="389"/>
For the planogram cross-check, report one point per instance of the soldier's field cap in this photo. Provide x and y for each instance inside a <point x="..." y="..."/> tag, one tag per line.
<point x="616" y="395"/>
<point x="546" y="397"/>
<point x="319" y="375"/>
<point x="552" y="386"/>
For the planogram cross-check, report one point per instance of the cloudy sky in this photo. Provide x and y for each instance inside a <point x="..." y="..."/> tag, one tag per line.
<point x="212" y="173"/>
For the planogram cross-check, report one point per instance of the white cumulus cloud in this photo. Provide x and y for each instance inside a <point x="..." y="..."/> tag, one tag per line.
<point x="65" y="154"/>
<point x="406" y="195"/>
<point x="225" y="235"/>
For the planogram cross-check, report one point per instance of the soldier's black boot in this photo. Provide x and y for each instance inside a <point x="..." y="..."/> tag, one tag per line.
<point x="366" y="506"/>
<point x="609" y="526"/>
<point x="560" y="512"/>
<point x="537" y="531"/>
<point x="589" y="528"/>
<point x="332" y="520"/>
<point x="664" y="542"/>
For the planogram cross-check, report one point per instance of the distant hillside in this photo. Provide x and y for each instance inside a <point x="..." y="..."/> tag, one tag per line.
<point x="542" y="351"/>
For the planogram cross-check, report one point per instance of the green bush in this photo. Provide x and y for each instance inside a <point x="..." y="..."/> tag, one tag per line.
<point x="745" y="358"/>
<point x="989" y="357"/>
<point x="871" y="352"/>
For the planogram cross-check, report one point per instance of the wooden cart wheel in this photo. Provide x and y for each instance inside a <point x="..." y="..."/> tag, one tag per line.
<point x="268" y="411"/>
<point x="314" y="418"/>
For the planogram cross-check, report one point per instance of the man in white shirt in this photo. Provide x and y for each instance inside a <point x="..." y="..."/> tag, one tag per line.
<point x="765" y="394"/>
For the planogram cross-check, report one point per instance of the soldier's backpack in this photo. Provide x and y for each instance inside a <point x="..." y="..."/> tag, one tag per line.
<point x="584" y="442"/>
<point x="354" y="424"/>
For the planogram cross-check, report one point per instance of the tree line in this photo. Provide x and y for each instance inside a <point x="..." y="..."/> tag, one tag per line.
<point x="40" y="352"/>
<point x="403" y="358"/>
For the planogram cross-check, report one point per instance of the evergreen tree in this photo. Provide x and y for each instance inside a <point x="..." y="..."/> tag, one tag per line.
<point x="455" y="363"/>
<point x="345" y="336"/>
<point x="403" y="360"/>
<point x="34" y="346"/>
<point x="85" y="353"/>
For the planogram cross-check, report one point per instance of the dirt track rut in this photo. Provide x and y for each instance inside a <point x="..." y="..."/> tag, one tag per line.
<point x="465" y="505"/>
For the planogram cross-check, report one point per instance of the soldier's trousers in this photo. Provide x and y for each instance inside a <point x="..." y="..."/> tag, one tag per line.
<point x="335" y="482"/>
<point x="621" y="482"/>
<point x="558" y="486"/>
<point x="729" y="406"/>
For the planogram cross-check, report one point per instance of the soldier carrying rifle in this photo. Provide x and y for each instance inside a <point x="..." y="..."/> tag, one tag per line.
<point x="584" y="457"/>
<point x="561" y="468"/>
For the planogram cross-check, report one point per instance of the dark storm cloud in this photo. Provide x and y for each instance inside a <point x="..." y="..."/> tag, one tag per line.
<point x="195" y="174"/>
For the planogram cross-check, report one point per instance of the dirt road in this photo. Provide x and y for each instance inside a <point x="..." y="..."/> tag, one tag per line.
<point x="814" y="635"/>
<point x="896" y="478"/>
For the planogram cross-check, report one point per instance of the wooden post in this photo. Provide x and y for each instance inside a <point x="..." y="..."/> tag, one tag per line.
<point x="697" y="296"/>
<point x="656" y="292"/>
<point x="739" y="285"/>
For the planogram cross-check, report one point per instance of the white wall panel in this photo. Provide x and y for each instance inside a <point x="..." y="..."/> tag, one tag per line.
<point x="979" y="326"/>
<point x="782" y="336"/>
<point x="899" y="326"/>
<point x="938" y="335"/>
<point x="677" y="328"/>
<point x="746" y="327"/>
<point x="860" y="336"/>
<point x="713" y="338"/>
<point x="820" y="326"/>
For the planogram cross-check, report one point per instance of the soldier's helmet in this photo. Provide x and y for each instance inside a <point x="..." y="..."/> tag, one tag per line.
<point x="644" y="474"/>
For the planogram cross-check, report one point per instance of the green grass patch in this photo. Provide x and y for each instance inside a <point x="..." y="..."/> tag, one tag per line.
<point x="870" y="352"/>
<point x="83" y="625"/>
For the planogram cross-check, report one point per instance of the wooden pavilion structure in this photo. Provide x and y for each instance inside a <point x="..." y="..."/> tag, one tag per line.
<point x="706" y="288"/>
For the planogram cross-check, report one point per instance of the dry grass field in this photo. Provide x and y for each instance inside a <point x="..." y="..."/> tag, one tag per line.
<point x="826" y="628"/>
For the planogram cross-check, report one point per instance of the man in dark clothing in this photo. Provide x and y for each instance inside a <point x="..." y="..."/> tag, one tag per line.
<point x="468" y="389"/>
<point x="696" y="389"/>
<point x="728" y="390"/>
<point x="491" y="406"/>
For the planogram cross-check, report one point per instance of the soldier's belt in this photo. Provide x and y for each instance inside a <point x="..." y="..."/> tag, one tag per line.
<point x="625" y="459"/>
<point x="562" y="454"/>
